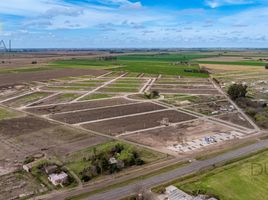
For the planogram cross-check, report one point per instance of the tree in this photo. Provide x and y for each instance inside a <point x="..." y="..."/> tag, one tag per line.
<point x="152" y="95"/>
<point x="266" y="66"/>
<point x="236" y="91"/>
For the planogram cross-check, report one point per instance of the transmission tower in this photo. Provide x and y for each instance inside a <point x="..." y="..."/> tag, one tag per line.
<point x="6" y="49"/>
<point x="3" y="46"/>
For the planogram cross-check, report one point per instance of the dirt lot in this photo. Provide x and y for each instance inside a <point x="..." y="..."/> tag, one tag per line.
<point x="236" y="119"/>
<point x="21" y="137"/>
<point x="11" y="79"/>
<point x="212" y="108"/>
<point x="78" y="106"/>
<point x="169" y="136"/>
<point x="23" y="125"/>
<point x="187" y="91"/>
<point x="60" y="98"/>
<point x="27" y="99"/>
<point x="58" y="140"/>
<point x="12" y="91"/>
<point x="15" y="184"/>
<point x="102" y="113"/>
<point x="180" y="100"/>
<point x="133" y="123"/>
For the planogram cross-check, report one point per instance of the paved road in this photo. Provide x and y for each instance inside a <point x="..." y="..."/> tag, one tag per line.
<point x="127" y="190"/>
<point x="194" y="167"/>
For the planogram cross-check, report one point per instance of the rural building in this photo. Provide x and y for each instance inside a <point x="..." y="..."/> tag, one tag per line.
<point x="176" y="194"/>
<point x="112" y="161"/>
<point x="58" y="179"/>
<point x="51" y="169"/>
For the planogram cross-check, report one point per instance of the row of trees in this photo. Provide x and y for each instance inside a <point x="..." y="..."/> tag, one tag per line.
<point x="257" y="110"/>
<point x="122" y="156"/>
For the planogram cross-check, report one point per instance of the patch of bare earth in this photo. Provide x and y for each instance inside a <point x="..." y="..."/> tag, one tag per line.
<point x="134" y="123"/>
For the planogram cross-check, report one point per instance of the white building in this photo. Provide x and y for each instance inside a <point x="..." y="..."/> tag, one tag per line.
<point x="176" y="194"/>
<point x="58" y="179"/>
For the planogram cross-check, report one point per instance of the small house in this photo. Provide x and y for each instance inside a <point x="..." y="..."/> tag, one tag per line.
<point x="112" y="161"/>
<point x="58" y="179"/>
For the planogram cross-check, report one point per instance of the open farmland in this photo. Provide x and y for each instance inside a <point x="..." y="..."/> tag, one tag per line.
<point x="149" y="64"/>
<point x="241" y="180"/>
<point x="11" y="79"/>
<point x="156" y="105"/>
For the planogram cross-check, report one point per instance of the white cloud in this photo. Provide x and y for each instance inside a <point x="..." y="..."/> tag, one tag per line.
<point x="122" y="3"/>
<point x="218" y="3"/>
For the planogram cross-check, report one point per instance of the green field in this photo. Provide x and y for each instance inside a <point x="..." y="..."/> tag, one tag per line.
<point x="28" y="99"/>
<point x="165" y="57"/>
<point x="238" y="181"/>
<point x="149" y="64"/>
<point x="6" y="114"/>
<point x="246" y="63"/>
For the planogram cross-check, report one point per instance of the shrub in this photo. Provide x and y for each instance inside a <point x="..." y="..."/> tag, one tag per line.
<point x="236" y="91"/>
<point x="262" y="119"/>
<point x="152" y="95"/>
<point x="266" y="66"/>
<point x="139" y="161"/>
<point x="28" y="159"/>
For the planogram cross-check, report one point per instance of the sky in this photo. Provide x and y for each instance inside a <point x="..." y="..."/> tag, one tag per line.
<point x="134" y="23"/>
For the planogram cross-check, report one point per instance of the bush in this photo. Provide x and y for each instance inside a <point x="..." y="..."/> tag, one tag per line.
<point x="34" y="62"/>
<point x="85" y="178"/>
<point x="262" y="119"/>
<point x="28" y="159"/>
<point x="266" y="66"/>
<point x="236" y="91"/>
<point x="139" y="161"/>
<point x="152" y="95"/>
<point x="251" y="112"/>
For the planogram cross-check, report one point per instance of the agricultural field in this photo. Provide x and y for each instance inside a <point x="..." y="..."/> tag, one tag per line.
<point x="106" y="116"/>
<point x="241" y="180"/>
<point x="149" y="64"/>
